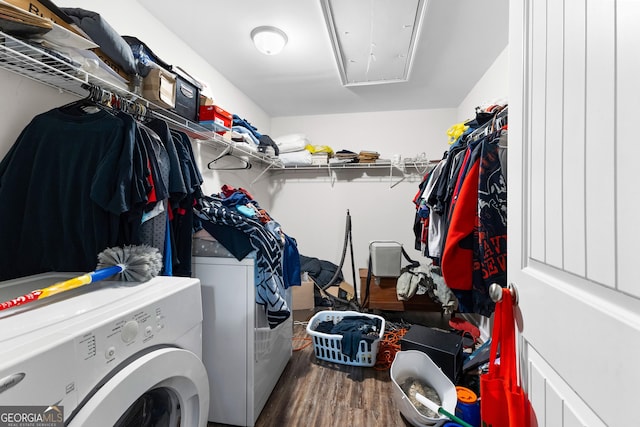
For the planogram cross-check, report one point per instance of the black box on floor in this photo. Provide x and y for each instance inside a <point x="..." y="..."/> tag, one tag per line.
<point x="444" y="348"/>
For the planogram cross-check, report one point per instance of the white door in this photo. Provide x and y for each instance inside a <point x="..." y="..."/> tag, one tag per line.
<point x="574" y="207"/>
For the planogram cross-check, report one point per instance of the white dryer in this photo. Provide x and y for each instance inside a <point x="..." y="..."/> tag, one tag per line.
<point x="109" y="353"/>
<point x="244" y="357"/>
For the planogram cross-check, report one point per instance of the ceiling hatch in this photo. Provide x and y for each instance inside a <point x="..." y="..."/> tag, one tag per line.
<point x="373" y="40"/>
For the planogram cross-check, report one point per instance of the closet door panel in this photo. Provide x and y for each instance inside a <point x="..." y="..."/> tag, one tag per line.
<point x="563" y="312"/>
<point x="553" y="406"/>
<point x="554" y="135"/>
<point x="599" y="156"/>
<point x="573" y="170"/>
<point x="537" y="154"/>
<point x="628" y="114"/>
<point x="555" y="403"/>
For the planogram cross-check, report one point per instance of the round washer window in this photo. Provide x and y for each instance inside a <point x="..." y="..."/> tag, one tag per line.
<point x="156" y="408"/>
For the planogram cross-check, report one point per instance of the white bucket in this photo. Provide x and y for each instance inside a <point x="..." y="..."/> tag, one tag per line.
<point x="416" y="364"/>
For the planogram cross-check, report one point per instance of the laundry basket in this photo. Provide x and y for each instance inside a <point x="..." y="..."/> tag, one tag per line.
<point x="329" y="346"/>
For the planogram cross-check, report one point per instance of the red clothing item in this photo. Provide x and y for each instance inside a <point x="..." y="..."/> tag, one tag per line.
<point x="228" y="190"/>
<point x="457" y="256"/>
<point x="151" y="197"/>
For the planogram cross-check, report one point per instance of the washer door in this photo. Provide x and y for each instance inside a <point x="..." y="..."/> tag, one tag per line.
<point x="167" y="387"/>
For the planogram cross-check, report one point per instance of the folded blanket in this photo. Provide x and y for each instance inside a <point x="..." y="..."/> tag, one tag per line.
<point x="246" y="134"/>
<point x="291" y="143"/>
<point x="296" y="158"/>
<point x="103" y="34"/>
<point x="270" y="288"/>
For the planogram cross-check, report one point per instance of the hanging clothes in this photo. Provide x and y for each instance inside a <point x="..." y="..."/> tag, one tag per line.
<point x="492" y="213"/>
<point x="458" y="252"/>
<point x="84" y="177"/>
<point x="467" y="204"/>
<point x="64" y="185"/>
<point x="183" y="217"/>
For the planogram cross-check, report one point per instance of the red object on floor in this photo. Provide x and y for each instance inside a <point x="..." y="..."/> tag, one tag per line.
<point x="465" y="327"/>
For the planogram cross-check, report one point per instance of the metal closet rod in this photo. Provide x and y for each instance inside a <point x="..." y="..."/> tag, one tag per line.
<point x="114" y="100"/>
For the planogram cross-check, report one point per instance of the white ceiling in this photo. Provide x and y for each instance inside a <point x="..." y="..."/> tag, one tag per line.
<point x="460" y="39"/>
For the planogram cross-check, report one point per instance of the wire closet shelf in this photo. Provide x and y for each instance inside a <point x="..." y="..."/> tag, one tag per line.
<point x="45" y="67"/>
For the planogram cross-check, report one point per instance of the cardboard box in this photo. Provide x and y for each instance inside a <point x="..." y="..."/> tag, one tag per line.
<point x="159" y="87"/>
<point x="319" y="159"/>
<point x="343" y="286"/>
<point x="302" y="296"/>
<point x="205" y="100"/>
<point x="47" y="9"/>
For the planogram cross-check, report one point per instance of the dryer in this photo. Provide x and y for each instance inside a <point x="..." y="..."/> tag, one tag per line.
<point x="107" y="354"/>
<point x="244" y="357"/>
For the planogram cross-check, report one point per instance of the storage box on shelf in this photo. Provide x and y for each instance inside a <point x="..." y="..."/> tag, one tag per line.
<point x="49" y="10"/>
<point x="213" y="117"/>
<point x="160" y="87"/>
<point x="329" y="346"/>
<point x="45" y="9"/>
<point x="187" y="95"/>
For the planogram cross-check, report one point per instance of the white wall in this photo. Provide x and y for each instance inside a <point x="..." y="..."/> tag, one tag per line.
<point x="22" y="99"/>
<point x="313" y="210"/>
<point x="492" y="88"/>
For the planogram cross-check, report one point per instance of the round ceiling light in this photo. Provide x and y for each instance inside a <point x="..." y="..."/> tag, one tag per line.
<point x="269" y="40"/>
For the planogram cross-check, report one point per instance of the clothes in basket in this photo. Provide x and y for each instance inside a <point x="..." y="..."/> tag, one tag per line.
<point x="353" y="329"/>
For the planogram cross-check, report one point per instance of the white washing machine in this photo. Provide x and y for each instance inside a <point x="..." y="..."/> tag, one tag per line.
<point x="109" y="353"/>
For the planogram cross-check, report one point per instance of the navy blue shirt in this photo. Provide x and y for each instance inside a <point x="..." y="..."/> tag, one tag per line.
<point x="64" y="185"/>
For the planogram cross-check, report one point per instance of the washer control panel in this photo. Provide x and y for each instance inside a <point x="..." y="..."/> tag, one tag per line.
<point x="162" y="318"/>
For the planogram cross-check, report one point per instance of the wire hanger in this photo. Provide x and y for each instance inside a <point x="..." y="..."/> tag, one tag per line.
<point x="228" y="152"/>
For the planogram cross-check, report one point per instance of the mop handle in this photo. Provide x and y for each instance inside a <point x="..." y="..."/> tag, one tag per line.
<point x="440" y="410"/>
<point x="56" y="288"/>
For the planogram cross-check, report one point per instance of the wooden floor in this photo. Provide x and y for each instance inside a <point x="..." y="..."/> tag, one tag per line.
<point x="313" y="392"/>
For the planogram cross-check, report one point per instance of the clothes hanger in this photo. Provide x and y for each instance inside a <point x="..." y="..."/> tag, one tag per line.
<point x="228" y="151"/>
<point x="76" y="107"/>
<point x="92" y="103"/>
<point x="492" y="126"/>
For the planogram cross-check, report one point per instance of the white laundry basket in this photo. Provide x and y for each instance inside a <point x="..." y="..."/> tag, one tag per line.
<point x="416" y="364"/>
<point x="328" y="346"/>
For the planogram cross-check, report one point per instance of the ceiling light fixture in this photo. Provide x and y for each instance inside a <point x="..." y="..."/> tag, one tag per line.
<point x="269" y="40"/>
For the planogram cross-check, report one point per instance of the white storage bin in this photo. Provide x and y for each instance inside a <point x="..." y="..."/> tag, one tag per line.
<point x="416" y="364"/>
<point x="328" y="346"/>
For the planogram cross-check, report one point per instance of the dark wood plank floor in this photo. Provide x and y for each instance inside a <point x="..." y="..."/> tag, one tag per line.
<point x="313" y="392"/>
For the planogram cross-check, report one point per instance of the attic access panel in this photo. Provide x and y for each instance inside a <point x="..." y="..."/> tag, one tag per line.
<point x="373" y="40"/>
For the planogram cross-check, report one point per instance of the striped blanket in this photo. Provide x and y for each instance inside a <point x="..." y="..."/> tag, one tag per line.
<point x="269" y="251"/>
